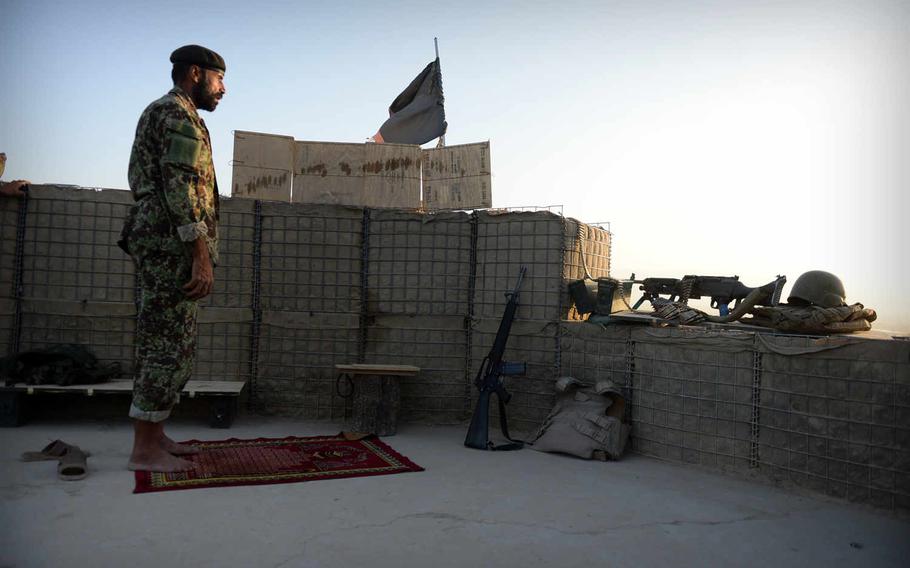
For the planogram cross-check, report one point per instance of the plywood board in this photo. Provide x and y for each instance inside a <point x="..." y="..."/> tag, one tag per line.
<point x="391" y="176"/>
<point x="263" y="166"/>
<point x="270" y="151"/>
<point x="260" y="183"/>
<point x="328" y="172"/>
<point x="457" y="177"/>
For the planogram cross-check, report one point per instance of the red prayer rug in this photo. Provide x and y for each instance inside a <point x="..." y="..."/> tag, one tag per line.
<point x="278" y="460"/>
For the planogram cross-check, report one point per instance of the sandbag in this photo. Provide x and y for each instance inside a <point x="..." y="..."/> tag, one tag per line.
<point x="814" y="319"/>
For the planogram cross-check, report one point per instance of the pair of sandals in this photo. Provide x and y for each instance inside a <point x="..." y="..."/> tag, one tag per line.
<point x="71" y="460"/>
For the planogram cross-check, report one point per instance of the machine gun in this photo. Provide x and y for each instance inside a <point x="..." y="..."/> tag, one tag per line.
<point x="721" y="289"/>
<point x="489" y="381"/>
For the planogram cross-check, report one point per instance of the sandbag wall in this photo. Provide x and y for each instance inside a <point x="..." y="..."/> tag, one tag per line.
<point x="301" y="288"/>
<point x="828" y="414"/>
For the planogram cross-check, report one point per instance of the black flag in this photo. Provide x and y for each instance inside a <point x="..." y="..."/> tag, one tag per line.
<point x="417" y="115"/>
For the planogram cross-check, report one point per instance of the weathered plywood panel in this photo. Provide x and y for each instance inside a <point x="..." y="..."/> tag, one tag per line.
<point x="328" y="172"/>
<point x="260" y="183"/>
<point x="391" y="176"/>
<point x="457" y="177"/>
<point x="269" y="151"/>
<point x="263" y="166"/>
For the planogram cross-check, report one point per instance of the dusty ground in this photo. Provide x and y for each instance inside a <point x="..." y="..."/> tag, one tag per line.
<point x="469" y="508"/>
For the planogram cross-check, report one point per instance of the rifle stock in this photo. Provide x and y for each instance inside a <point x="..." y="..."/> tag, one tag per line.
<point x="478" y="431"/>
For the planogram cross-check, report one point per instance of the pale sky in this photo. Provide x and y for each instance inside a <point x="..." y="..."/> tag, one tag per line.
<point x="749" y="138"/>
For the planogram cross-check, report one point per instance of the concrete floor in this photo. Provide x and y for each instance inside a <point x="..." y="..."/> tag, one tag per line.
<point x="469" y="508"/>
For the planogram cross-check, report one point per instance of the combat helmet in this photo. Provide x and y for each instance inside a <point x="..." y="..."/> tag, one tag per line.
<point x="819" y="288"/>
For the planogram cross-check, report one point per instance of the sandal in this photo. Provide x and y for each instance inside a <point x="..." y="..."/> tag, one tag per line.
<point x="72" y="466"/>
<point x="71" y="459"/>
<point x="53" y="451"/>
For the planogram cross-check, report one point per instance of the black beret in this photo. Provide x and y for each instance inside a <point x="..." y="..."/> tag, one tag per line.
<point x="198" y="55"/>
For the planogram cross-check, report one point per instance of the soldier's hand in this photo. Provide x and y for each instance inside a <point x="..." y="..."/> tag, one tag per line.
<point x="203" y="277"/>
<point x="15" y="188"/>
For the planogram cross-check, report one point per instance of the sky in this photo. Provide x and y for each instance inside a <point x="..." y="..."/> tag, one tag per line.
<point x="721" y="138"/>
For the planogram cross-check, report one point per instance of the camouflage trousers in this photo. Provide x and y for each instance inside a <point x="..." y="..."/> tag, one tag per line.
<point x="165" y="329"/>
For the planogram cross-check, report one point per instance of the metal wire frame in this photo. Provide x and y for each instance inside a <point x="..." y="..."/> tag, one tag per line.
<point x="836" y="431"/>
<point x="839" y="426"/>
<point x="110" y="336"/>
<point x="262" y="265"/>
<point x="223" y="351"/>
<point x="311" y="260"/>
<point x="437" y="346"/>
<point x="297" y="368"/>
<point x="533" y="240"/>
<point x="234" y="275"/>
<point x="14" y="270"/>
<point x="419" y="265"/>
<point x="70" y="252"/>
<point x="255" y="292"/>
<point x="692" y="405"/>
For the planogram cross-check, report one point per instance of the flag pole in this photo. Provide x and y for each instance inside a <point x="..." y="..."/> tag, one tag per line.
<point x="441" y="143"/>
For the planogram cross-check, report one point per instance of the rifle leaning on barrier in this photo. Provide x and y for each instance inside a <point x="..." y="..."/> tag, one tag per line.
<point x="489" y="381"/>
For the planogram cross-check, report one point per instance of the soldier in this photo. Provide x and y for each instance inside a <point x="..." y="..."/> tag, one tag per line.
<point x="172" y="235"/>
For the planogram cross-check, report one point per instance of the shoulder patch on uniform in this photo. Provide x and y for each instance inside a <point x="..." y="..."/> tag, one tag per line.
<point x="184" y="142"/>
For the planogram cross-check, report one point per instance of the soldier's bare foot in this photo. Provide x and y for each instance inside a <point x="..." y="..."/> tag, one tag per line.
<point x="158" y="460"/>
<point x="176" y="449"/>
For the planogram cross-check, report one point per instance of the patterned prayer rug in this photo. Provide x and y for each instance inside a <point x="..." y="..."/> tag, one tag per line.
<point x="279" y="460"/>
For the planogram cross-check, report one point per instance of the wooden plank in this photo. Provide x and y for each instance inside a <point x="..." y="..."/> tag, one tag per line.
<point x="367" y="369"/>
<point x="260" y="150"/>
<point x="263" y="166"/>
<point x="328" y="172"/>
<point x="192" y="388"/>
<point x="261" y="183"/>
<point x="457" y="177"/>
<point x="391" y="176"/>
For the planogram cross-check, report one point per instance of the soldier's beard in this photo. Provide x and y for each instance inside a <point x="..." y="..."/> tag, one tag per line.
<point x="205" y="96"/>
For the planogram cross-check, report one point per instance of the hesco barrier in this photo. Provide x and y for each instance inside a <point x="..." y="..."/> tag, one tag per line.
<point x="831" y="414"/>
<point x="302" y="288"/>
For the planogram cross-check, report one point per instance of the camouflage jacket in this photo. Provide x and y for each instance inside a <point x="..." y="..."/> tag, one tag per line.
<point x="172" y="157"/>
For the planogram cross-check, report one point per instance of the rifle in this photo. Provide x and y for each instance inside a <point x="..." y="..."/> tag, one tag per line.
<point x="489" y="381"/>
<point x="721" y="289"/>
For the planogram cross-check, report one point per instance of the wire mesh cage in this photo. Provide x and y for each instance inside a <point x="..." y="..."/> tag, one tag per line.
<point x="297" y="358"/>
<point x="419" y="263"/>
<point x="234" y="273"/>
<point x="692" y="402"/>
<point x="70" y="251"/>
<point x="106" y="329"/>
<point x="838" y="420"/>
<point x="311" y="258"/>
<point x="437" y="345"/>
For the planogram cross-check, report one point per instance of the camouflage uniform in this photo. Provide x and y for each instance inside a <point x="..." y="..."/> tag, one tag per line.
<point x="173" y="182"/>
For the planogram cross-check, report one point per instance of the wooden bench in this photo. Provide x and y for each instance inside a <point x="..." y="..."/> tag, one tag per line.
<point x="222" y="406"/>
<point x="376" y="395"/>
